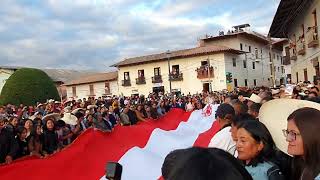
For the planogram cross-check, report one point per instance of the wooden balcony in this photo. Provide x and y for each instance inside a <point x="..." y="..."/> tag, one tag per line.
<point x="286" y="60"/>
<point x="157" y="79"/>
<point x="301" y="47"/>
<point x="312" y="37"/>
<point x="293" y="54"/>
<point x="176" y="77"/>
<point x="141" y="80"/>
<point x="203" y="73"/>
<point x="126" y="82"/>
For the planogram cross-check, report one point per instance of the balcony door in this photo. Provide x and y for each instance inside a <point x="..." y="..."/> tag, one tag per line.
<point x="126" y="76"/>
<point x="305" y="73"/>
<point x="175" y="69"/>
<point x="141" y="73"/>
<point x="157" y="71"/>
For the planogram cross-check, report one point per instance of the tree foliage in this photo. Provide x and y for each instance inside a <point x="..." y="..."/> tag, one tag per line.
<point x="28" y="86"/>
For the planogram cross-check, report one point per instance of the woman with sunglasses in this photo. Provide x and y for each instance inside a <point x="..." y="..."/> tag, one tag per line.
<point x="302" y="133"/>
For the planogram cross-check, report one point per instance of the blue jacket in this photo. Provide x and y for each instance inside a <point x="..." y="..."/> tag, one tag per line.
<point x="259" y="172"/>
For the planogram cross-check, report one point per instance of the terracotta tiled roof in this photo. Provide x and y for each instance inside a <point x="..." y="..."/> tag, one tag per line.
<point x="248" y="34"/>
<point x="98" y="77"/>
<point x="178" y="54"/>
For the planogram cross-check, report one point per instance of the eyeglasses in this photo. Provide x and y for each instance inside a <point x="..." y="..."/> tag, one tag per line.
<point x="290" y="135"/>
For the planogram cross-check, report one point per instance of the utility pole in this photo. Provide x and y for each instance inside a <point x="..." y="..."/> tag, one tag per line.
<point x="168" y="56"/>
<point x="272" y="62"/>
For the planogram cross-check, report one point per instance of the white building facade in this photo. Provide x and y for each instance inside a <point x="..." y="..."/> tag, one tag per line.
<point x="95" y="85"/>
<point x="300" y="26"/>
<point x="238" y="59"/>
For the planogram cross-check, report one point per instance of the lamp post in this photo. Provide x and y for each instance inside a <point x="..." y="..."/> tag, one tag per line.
<point x="168" y="53"/>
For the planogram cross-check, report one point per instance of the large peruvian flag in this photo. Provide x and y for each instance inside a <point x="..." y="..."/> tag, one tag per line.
<point x="140" y="149"/>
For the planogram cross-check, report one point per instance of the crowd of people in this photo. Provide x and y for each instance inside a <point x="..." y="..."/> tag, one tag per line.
<point x="49" y="127"/>
<point x="244" y="148"/>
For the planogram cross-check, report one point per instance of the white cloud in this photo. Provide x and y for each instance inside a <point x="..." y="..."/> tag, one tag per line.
<point x="86" y="34"/>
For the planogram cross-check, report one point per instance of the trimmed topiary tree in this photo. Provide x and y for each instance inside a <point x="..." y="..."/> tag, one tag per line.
<point x="28" y="86"/>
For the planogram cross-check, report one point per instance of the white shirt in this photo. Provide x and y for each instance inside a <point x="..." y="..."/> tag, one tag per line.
<point x="223" y="140"/>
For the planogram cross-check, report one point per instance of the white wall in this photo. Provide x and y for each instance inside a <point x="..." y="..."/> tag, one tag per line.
<point x="262" y="68"/>
<point x="304" y="61"/>
<point x="83" y="90"/>
<point x="4" y="75"/>
<point x="187" y="66"/>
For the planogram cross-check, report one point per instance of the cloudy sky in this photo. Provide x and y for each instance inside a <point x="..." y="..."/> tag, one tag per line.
<point x="94" y="34"/>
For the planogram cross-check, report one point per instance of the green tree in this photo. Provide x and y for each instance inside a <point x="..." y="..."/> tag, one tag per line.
<point x="28" y="86"/>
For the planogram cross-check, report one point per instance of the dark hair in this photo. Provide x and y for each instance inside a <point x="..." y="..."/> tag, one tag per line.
<point x="239" y="119"/>
<point x="60" y="124"/>
<point x="255" y="107"/>
<point x="259" y="132"/>
<point x="208" y="163"/>
<point x="20" y="129"/>
<point x="45" y="124"/>
<point x="314" y="87"/>
<point x="268" y="98"/>
<point x="170" y="161"/>
<point x="225" y="109"/>
<point x="308" y="122"/>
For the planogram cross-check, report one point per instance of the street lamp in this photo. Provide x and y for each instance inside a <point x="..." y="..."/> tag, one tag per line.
<point x="168" y="53"/>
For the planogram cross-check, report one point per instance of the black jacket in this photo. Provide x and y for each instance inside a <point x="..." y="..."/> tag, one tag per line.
<point x="8" y="145"/>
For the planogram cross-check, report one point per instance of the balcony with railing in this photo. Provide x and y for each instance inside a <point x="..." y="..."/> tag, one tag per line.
<point x="141" y="80"/>
<point x="126" y="82"/>
<point x="301" y="46"/>
<point x="157" y="79"/>
<point x="176" y="76"/>
<point x="312" y="37"/>
<point x="286" y="59"/>
<point x="293" y="53"/>
<point x="203" y="72"/>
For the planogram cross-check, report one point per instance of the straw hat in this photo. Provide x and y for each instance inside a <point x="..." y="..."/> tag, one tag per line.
<point x="39" y="105"/>
<point x="254" y="98"/>
<point x="67" y="109"/>
<point x="55" y="116"/>
<point x="51" y="101"/>
<point x="34" y="116"/>
<point x="68" y="118"/>
<point x="274" y="115"/>
<point x="76" y="110"/>
<point x="91" y="106"/>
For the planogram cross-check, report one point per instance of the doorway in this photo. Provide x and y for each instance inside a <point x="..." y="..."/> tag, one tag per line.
<point x="206" y="87"/>
<point x="158" y="89"/>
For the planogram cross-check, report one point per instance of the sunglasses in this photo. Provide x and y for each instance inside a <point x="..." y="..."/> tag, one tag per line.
<point x="290" y="135"/>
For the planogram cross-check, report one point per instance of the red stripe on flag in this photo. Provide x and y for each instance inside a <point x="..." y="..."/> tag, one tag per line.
<point x="204" y="138"/>
<point x="87" y="156"/>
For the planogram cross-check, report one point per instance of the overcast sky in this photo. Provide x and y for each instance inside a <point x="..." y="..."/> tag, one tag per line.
<point x="94" y="34"/>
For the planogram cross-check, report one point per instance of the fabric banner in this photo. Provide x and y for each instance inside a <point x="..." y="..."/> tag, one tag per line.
<point x="141" y="149"/>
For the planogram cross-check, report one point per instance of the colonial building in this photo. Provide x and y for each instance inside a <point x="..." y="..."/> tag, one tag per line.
<point x="94" y="85"/>
<point x="298" y="21"/>
<point x="237" y="58"/>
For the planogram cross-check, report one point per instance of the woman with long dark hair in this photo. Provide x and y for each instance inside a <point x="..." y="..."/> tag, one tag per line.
<point x="36" y="141"/>
<point x="50" y="137"/>
<point x="22" y="144"/>
<point x="302" y="133"/>
<point x="256" y="149"/>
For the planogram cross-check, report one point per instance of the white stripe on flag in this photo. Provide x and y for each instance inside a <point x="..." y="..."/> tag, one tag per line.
<point x="145" y="163"/>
